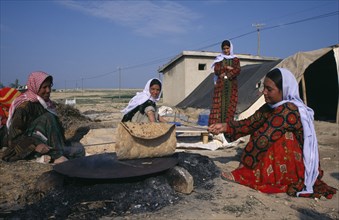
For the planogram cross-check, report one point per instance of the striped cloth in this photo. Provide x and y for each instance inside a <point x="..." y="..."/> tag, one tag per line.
<point x="7" y="95"/>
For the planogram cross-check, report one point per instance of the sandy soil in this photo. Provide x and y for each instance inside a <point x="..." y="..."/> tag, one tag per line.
<point x="226" y="200"/>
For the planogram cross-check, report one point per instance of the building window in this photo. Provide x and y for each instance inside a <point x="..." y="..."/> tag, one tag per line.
<point x="202" y="66"/>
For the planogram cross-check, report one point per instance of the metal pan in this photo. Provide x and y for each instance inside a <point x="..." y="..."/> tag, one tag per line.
<point x="107" y="166"/>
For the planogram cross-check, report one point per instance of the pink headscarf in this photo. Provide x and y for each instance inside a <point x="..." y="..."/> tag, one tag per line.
<point x="34" y="82"/>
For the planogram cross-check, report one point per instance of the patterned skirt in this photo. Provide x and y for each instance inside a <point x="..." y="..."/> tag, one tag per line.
<point x="225" y="99"/>
<point x="281" y="170"/>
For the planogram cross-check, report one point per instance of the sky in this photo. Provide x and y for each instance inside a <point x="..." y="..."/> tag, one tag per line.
<point x="122" y="44"/>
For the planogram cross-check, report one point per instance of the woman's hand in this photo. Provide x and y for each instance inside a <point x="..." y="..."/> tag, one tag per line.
<point x="151" y="116"/>
<point x="217" y="67"/>
<point x="60" y="160"/>
<point x="229" y="68"/>
<point x="42" y="148"/>
<point x="162" y="119"/>
<point x="217" y="128"/>
<point x="222" y="75"/>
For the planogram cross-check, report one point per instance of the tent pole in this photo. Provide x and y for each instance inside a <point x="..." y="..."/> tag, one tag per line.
<point x="303" y="86"/>
<point x="336" y="56"/>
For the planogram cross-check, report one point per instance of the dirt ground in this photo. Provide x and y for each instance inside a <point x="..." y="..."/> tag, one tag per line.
<point x="225" y="200"/>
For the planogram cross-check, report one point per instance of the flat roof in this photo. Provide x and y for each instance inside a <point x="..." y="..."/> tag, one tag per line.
<point x="213" y="55"/>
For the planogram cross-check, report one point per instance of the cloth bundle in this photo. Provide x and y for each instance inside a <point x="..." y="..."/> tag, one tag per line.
<point x="145" y="140"/>
<point x="7" y="96"/>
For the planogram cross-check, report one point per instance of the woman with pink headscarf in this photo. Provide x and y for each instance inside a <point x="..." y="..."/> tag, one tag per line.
<point x="34" y="129"/>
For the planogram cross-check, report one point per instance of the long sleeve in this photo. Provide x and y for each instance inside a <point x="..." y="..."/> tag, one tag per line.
<point x="236" y="69"/>
<point x="20" y="143"/>
<point x="265" y="128"/>
<point x="237" y="129"/>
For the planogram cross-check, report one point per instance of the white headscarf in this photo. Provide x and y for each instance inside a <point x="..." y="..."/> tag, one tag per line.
<point x="310" y="148"/>
<point x="142" y="97"/>
<point x="222" y="56"/>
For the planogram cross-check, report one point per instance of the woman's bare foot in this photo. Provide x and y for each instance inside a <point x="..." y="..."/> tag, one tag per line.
<point x="227" y="176"/>
<point x="44" y="159"/>
<point x="60" y="160"/>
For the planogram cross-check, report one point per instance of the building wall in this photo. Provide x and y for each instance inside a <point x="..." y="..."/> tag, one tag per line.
<point x="193" y="75"/>
<point x="174" y="84"/>
<point x="180" y="80"/>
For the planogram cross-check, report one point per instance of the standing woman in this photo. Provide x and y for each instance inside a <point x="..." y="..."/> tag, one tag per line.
<point x="142" y="107"/>
<point x="282" y="152"/>
<point x="225" y="97"/>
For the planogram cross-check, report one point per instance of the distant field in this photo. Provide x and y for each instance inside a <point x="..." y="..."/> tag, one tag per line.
<point x="94" y="96"/>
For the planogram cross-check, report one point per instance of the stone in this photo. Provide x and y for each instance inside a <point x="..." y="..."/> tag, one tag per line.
<point x="48" y="181"/>
<point x="180" y="179"/>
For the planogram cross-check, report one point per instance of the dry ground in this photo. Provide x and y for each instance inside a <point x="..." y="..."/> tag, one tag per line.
<point x="225" y="200"/>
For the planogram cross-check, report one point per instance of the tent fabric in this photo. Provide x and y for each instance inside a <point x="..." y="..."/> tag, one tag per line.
<point x="298" y="62"/>
<point x="317" y="72"/>
<point x="336" y="56"/>
<point x="248" y="80"/>
<point x="201" y="96"/>
<point x="318" y="69"/>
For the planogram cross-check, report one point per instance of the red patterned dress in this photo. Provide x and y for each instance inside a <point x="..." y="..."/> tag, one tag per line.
<point x="272" y="161"/>
<point x="225" y="96"/>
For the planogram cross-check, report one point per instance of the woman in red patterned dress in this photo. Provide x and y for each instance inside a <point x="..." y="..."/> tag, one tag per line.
<point x="282" y="152"/>
<point x="225" y="97"/>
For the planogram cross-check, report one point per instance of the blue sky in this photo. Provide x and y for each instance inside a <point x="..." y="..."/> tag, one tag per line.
<point x="88" y="43"/>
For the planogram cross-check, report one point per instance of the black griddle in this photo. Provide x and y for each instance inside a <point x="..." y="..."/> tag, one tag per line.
<point x="107" y="166"/>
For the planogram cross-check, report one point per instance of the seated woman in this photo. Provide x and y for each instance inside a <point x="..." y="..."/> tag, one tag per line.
<point x="142" y="107"/>
<point x="282" y="152"/>
<point x="34" y="130"/>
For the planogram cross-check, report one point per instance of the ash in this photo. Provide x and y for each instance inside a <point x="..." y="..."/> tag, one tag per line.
<point x="92" y="199"/>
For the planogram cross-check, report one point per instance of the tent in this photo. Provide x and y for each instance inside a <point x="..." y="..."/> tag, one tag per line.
<point x="201" y="97"/>
<point x="317" y="74"/>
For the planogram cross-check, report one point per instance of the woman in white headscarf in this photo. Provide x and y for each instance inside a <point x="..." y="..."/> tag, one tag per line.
<point x="142" y="107"/>
<point x="282" y="153"/>
<point x="226" y="68"/>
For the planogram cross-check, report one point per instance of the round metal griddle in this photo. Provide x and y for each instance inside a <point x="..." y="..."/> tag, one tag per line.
<point x="107" y="166"/>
